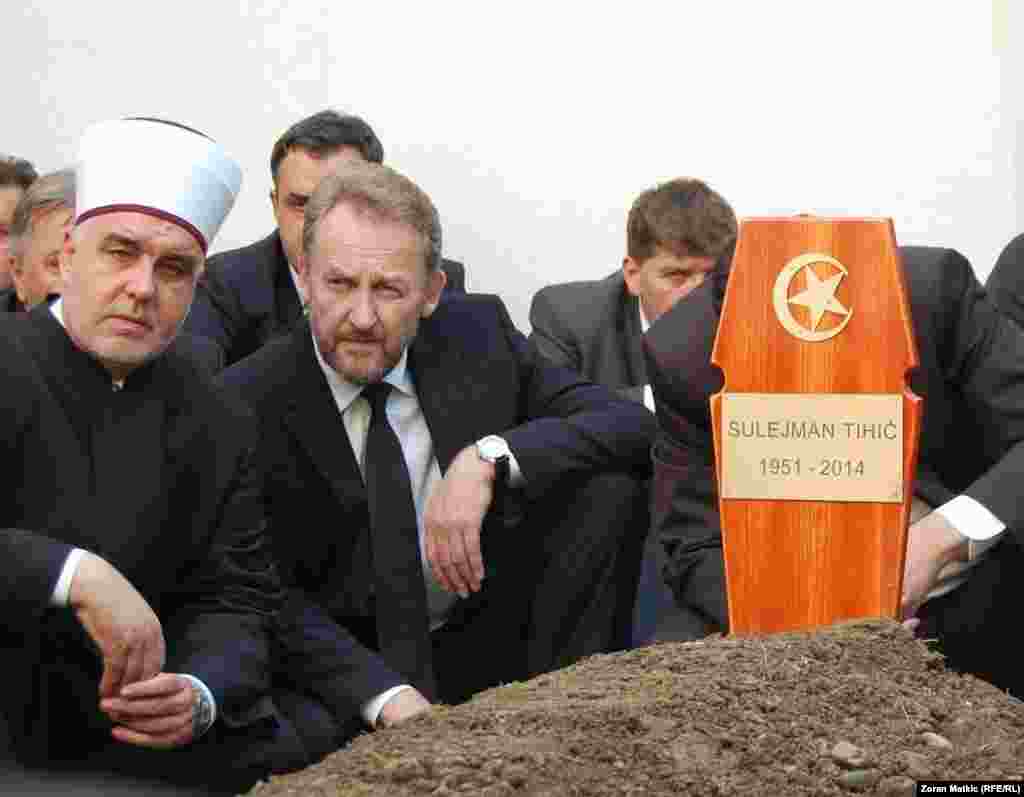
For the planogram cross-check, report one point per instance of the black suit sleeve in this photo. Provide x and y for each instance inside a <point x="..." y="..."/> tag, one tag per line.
<point x="684" y="496"/>
<point x="32" y="561"/>
<point x="684" y="516"/>
<point x="33" y="565"/>
<point x="572" y="425"/>
<point x="983" y="353"/>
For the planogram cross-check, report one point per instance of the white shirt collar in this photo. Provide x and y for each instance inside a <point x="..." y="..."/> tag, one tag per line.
<point x="644" y="323"/>
<point x="345" y="392"/>
<point x="295" y="282"/>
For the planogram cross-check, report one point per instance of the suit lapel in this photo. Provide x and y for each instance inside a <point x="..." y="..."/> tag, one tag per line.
<point x="287" y="304"/>
<point x="632" y="335"/>
<point x="452" y="390"/>
<point x="312" y="417"/>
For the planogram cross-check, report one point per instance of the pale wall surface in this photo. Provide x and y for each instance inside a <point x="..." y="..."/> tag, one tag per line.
<point x="534" y="124"/>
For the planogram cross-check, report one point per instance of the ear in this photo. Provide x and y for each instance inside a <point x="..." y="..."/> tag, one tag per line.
<point x="66" y="253"/>
<point x="302" y="269"/>
<point x="273" y="205"/>
<point x="17" y="270"/>
<point x="436" y="281"/>
<point x="631" y="275"/>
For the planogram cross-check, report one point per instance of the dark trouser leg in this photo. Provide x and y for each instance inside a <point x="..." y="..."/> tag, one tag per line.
<point x="653" y="599"/>
<point x="974" y="623"/>
<point x="559" y="587"/>
<point x="583" y="596"/>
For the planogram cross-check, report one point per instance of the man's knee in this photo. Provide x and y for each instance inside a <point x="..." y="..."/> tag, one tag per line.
<point x="614" y="496"/>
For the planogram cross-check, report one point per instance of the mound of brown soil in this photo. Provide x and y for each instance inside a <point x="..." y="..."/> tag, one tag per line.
<point x="859" y="707"/>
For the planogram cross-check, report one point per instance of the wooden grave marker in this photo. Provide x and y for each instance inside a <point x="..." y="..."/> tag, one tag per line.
<point x="816" y="430"/>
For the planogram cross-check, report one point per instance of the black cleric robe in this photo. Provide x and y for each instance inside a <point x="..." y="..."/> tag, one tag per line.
<point x="157" y="477"/>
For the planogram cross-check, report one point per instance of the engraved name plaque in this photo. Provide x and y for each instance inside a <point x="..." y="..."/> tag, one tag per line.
<point x="812" y="447"/>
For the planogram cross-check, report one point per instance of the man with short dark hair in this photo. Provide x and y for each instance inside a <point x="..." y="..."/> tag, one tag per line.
<point x="16" y="175"/>
<point x="675" y="234"/>
<point x="251" y="295"/>
<point x="41" y="218"/>
<point x="448" y="507"/>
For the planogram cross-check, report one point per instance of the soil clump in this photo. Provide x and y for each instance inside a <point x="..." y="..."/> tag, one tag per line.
<point x="858" y="708"/>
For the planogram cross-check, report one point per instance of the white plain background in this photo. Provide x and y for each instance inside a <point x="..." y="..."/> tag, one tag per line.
<point x="533" y="125"/>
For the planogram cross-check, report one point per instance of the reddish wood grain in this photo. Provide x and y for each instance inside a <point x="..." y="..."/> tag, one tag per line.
<point x="805" y="564"/>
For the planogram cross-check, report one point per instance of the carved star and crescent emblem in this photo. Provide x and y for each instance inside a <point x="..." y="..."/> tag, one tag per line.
<point x="818" y="296"/>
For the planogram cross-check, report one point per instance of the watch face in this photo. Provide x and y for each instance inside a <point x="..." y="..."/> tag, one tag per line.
<point x="491" y="448"/>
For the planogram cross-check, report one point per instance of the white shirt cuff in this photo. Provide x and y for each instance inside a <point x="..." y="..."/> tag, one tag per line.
<point x="62" y="591"/>
<point x="515" y="476"/>
<point x="209" y="696"/>
<point x="371" y="711"/>
<point x="975" y="522"/>
<point x="649" y="398"/>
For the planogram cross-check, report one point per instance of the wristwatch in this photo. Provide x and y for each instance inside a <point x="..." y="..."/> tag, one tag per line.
<point x="202" y="708"/>
<point x="495" y="450"/>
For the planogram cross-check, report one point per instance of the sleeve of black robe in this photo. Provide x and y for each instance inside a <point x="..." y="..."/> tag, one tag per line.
<point x="221" y="634"/>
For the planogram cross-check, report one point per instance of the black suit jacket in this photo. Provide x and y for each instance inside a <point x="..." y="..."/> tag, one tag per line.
<point x="474" y="375"/>
<point x="247" y="296"/>
<point x="182" y="520"/>
<point x="971" y="377"/>
<point x="1006" y="282"/>
<point x="592" y="327"/>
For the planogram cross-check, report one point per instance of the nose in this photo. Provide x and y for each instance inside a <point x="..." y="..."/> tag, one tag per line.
<point x="141" y="284"/>
<point x="363" y="312"/>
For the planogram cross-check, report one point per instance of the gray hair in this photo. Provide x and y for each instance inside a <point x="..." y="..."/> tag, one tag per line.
<point x="49" y="192"/>
<point x="382" y="191"/>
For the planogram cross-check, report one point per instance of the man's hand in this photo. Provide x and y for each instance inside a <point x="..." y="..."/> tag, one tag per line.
<point x="120" y="622"/>
<point x="932" y="543"/>
<point x="455" y="512"/>
<point x="403" y="706"/>
<point x="155" y="713"/>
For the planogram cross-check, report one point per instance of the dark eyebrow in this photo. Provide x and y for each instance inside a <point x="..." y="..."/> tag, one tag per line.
<point x="185" y="259"/>
<point x="191" y="262"/>
<point x="123" y="240"/>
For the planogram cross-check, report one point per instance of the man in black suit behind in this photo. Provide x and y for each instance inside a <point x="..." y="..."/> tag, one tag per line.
<point x="513" y="539"/>
<point x="1005" y="284"/>
<point x="675" y="234"/>
<point x="251" y="295"/>
<point x="964" y="560"/>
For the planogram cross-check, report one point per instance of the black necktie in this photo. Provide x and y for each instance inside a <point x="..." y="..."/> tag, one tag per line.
<point x="403" y="631"/>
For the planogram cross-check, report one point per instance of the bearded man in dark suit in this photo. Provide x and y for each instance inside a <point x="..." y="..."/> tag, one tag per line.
<point x="448" y="508"/>
<point x="250" y="295"/>
<point x="964" y="559"/>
